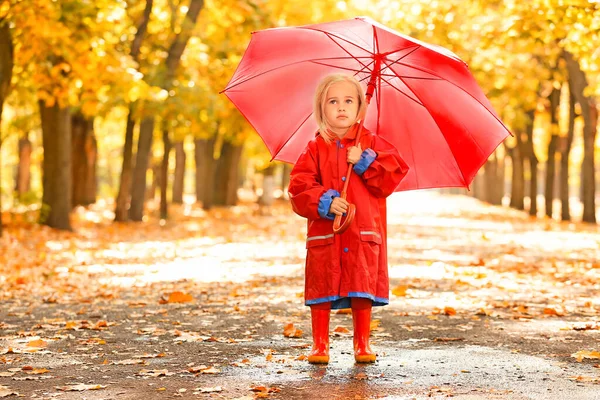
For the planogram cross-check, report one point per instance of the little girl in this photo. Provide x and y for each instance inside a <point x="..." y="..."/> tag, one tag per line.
<point x="350" y="269"/>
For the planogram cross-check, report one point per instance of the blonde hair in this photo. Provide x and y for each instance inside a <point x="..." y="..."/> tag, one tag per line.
<point x="320" y="100"/>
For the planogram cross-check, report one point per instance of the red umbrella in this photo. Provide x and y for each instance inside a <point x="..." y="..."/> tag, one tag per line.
<point x="426" y="102"/>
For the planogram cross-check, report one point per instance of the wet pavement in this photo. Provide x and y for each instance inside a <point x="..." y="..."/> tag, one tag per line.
<point x="487" y="304"/>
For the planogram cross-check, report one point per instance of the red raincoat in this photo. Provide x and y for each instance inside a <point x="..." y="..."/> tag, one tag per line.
<point x="353" y="264"/>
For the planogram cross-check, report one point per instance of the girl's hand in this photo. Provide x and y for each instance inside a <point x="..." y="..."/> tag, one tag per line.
<point x="338" y="206"/>
<point x="354" y="154"/>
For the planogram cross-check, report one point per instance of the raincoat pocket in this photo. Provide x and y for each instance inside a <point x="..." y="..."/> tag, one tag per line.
<point x="319" y="240"/>
<point x="370" y="241"/>
<point x="319" y="258"/>
<point x="370" y="235"/>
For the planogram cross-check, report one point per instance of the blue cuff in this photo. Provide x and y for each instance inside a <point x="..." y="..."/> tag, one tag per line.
<point x="325" y="203"/>
<point x="366" y="158"/>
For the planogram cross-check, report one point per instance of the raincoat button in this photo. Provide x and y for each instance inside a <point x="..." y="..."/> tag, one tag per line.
<point x="341" y="146"/>
<point x="345" y="249"/>
<point x="343" y="179"/>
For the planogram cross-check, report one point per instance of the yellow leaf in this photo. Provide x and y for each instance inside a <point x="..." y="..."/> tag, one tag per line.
<point x="37" y="343"/>
<point x="449" y="311"/>
<point x="179" y="297"/>
<point x="290" y="331"/>
<point x="71" y="325"/>
<point x="400" y="290"/>
<point x="580" y="355"/>
<point x="375" y="324"/>
<point x="341" y="329"/>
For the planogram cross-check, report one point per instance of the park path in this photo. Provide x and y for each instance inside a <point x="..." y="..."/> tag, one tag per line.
<point x="486" y="303"/>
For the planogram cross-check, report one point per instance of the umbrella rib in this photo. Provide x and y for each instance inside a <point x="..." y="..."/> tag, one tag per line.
<point x="284" y="66"/>
<point x="400" y="91"/>
<point x="357" y="71"/>
<point x="436" y="123"/>
<point x="452" y="83"/>
<point x="329" y="34"/>
<point x="401" y="58"/>
<point x="291" y="135"/>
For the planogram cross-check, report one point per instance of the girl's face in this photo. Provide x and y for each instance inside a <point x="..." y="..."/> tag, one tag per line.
<point x="341" y="107"/>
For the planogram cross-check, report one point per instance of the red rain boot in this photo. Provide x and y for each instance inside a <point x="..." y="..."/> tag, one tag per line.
<point x="361" y="318"/>
<point x="320" y="332"/>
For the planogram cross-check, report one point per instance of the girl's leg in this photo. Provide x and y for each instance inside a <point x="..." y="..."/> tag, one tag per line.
<point x="361" y="318"/>
<point x="320" y="332"/>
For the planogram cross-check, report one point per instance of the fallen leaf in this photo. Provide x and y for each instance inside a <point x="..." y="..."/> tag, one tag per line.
<point x="449" y="311"/>
<point x="375" y="324"/>
<point x="79" y="387"/>
<point x="210" y="389"/>
<point x="341" y="329"/>
<point x="197" y="369"/>
<point x="400" y="290"/>
<point x="586" y="326"/>
<point x="5" y="391"/>
<point x="211" y="370"/>
<point x="588" y="379"/>
<point x="361" y="376"/>
<point x="129" y="362"/>
<point x="259" y="388"/>
<point x="580" y="355"/>
<point x="37" y="343"/>
<point x="290" y="331"/>
<point x="37" y="371"/>
<point x="553" y="311"/>
<point x="177" y="297"/>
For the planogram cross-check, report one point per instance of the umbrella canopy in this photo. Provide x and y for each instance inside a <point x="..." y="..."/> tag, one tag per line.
<point x="426" y="102"/>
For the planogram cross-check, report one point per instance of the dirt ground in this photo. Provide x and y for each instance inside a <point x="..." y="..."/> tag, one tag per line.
<point x="486" y="303"/>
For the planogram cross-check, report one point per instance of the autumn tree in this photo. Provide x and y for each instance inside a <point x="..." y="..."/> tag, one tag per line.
<point x="163" y="78"/>
<point x="66" y="51"/>
<point x="6" y="67"/>
<point x="123" y="196"/>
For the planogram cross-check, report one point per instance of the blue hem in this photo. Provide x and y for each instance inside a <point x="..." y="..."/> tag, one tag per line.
<point x="338" y="302"/>
<point x="325" y="203"/>
<point x="366" y="159"/>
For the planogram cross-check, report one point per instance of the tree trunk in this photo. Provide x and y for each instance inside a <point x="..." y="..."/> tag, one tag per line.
<point x="532" y="162"/>
<point x="552" y="151"/>
<point x="138" y="187"/>
<point x="565" y="150"/>
<point x="155" y="174"/>
<point x="122" y="200"/>
<point x="478" y="186"/>
<point x="266" y="199"/>
<point x="56" y="167"/>
<point x="171" y="64"/>
<point x="491" y="180"/>
<point x="91" y="180"/>
<point x="205" y="165"/>
<point x="517" y="191"/>
<point x="6" y="68"/>
<point x="164" y="174"/>
<point x="179" y="178"/>
<point x="84" y="160"/>
<point x="500" y="174"/>
<point x="226" y="175"/>
<point x="578" y="83"/>
<point x="23" y="181"/>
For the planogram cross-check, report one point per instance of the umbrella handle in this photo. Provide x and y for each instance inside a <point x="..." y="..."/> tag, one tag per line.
<point x="337" y="229"/>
